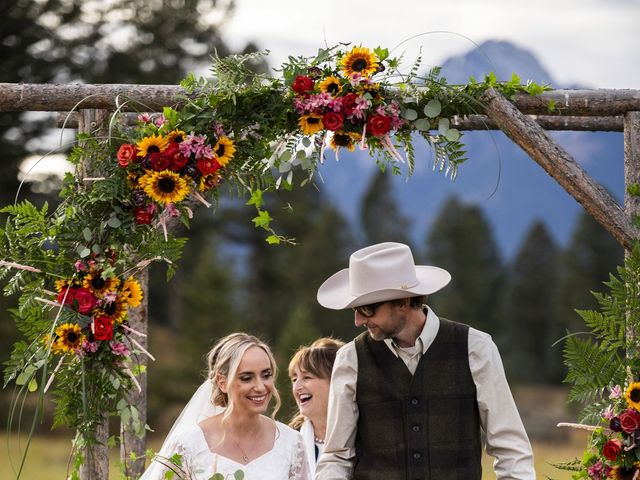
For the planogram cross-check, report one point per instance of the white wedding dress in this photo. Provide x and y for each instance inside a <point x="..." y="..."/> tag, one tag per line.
<point x="287" y="459"/>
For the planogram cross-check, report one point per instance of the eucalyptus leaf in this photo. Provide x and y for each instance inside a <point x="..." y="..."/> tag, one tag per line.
<point x="410" y="114"/>
<point x="96" y="249"/>
<point x="114" y="222"/>
<point x="433" y="108"/>
<point x="453" y="134"/>
<point x="86" y="233"/>
<point x="286" y="156"/>
<point x="85" y="252"/>
<point x="217" y="476"/>
<point x="422" y="124"/>
<point x="306" y="142"/>
<point x="238" y="475"/>
<point x="443" y="125"/>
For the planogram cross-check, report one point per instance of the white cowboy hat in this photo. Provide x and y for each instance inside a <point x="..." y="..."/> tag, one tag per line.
<point x="381" y="272"/>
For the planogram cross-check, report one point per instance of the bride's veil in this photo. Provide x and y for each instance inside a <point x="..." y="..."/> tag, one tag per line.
<point x="199" y="408"/>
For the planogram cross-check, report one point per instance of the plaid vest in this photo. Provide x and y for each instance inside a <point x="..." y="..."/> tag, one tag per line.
<point x="424" y="426"/>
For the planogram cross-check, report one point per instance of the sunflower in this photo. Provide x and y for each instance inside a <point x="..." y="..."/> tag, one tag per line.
<point x="116" y="311"/>
<point x="346" y="140"/>
<point x="152" y="144"/>
<point x="99" y="285"/>
<point x="632" y="395"/>
<point x="131" y="292"/>
<point x="69" y="338"/>
<point x="62" y="284"/>
<point x="165" y="186"/>
<point x="311" y="123"/>
<point x="360" y="60"/>
<point x="175" y="136"/>
<point x="621" y="472"/>
<point x="207" y="182"/>
<point x="224" y="150"/>
<point x="331" y="85"/>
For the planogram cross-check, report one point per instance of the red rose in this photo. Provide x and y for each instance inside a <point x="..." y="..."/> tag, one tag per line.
<point x="302" y="84"/>
<point x="143" y="215"/>
<point x="332" y="121"/>
<point x="126" y="154"/>
<point x="378" y="125"/>
<point x="349" y="103"/>
<point x="79" y="299"/>
<point x="177" y="161"/>
<point x="612" y="449"/>
<point x="86" y="300"/>
<point x="629" y="420"/>
<point x="159" y="161"/>
<point x="102" y="328"/>
<point x="207" y="166"/>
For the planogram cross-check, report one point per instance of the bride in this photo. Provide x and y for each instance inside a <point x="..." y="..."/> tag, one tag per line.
<point x="223" y="430"/>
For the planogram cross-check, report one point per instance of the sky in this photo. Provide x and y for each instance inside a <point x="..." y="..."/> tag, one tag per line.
<point x="591" y="42"/>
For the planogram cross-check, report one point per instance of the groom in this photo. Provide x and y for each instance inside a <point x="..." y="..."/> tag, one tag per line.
<point x="416" y="396"/>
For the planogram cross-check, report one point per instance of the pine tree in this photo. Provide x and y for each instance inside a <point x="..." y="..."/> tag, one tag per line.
<point x="461" y="242"/>
<point x="587" y="262"/>
<point x="381" y="219"/>
<point x="531" y="326"/>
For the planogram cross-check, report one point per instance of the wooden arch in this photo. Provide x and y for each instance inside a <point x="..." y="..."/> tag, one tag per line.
<point x="525" y="121"/>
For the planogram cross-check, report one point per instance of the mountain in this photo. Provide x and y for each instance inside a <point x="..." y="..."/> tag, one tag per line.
<point x="510" y="187"/>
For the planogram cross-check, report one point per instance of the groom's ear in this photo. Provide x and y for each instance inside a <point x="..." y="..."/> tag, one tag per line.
<point x="221" y="380"/>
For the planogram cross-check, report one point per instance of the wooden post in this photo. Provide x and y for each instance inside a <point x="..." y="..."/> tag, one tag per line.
<point x="96" y="457"/>
<point x="561" y="166"/>
<point x="130" y="441"/>
<point x="631" y="177"/>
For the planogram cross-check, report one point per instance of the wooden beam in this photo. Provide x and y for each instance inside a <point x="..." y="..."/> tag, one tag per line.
<point x="561" y="166"/>
<point x="469" y="122"/>
<point x="21" y="97"/>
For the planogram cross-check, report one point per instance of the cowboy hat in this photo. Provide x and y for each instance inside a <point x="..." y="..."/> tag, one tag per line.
<point x="381" y="272"/>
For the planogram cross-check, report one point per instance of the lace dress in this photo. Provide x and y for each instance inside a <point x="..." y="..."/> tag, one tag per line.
<point x="287" y="459"/>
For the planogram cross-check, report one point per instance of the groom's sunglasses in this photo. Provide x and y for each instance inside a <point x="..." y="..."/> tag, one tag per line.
<point x="368" y="310"/>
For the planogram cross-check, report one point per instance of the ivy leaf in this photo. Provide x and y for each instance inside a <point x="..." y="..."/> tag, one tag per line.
<point x="256" y="198"/>
<point x="262" y="220"/>
<point x="273" y="240"/>
<point x="381" y="53"/>
<point x="551" y="106"/>
<point x="634" y="189"/>
<point x="433" y="108"/>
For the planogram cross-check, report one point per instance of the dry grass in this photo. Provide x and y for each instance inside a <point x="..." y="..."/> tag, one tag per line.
<point x="48" y="457"/>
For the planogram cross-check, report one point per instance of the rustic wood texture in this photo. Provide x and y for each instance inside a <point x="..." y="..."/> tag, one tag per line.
<point x="20" y="97"/>
<point x="631" y="161"/>
<point x="561" y="166"/>
<point x="469" y="122"/>
<point x="96" y="457"/>
<point x="131" y="442"/>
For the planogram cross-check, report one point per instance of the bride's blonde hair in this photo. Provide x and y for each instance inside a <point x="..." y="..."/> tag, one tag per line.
<point x="224" y="359"/>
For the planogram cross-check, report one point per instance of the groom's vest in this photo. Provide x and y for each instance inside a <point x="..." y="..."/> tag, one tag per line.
<point x="422" y="426"/>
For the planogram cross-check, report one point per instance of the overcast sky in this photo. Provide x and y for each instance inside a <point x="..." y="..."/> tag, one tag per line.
<point x="590" y="42"/>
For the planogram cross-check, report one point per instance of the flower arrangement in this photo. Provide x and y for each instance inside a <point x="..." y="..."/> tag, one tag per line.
<point x="73" y="268"/>
<point x="614" y="447"/>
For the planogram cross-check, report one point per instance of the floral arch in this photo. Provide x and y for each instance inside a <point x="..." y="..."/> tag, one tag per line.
<point x="78" y="269"/>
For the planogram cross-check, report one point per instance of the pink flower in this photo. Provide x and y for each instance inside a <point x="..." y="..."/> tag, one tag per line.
<point x="616" y="392"/>
<point x="119" y="348"/>
<point x="355" y="79"/>
<point x="160" y="121"/>
<point x="608" y="413"/>
<point x="144" y="118"/>
<point x="171" y="210"/>
<point x="596" y="471"/>
<point x="89" y="347"/>
<point x="218" y="129"/>
<point x="80" y="266"/>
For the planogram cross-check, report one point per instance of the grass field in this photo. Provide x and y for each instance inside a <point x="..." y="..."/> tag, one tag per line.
<point x="48" y="457"/>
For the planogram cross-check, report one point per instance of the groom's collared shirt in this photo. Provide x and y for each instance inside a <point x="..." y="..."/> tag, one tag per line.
<point x="502" y="431"/>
